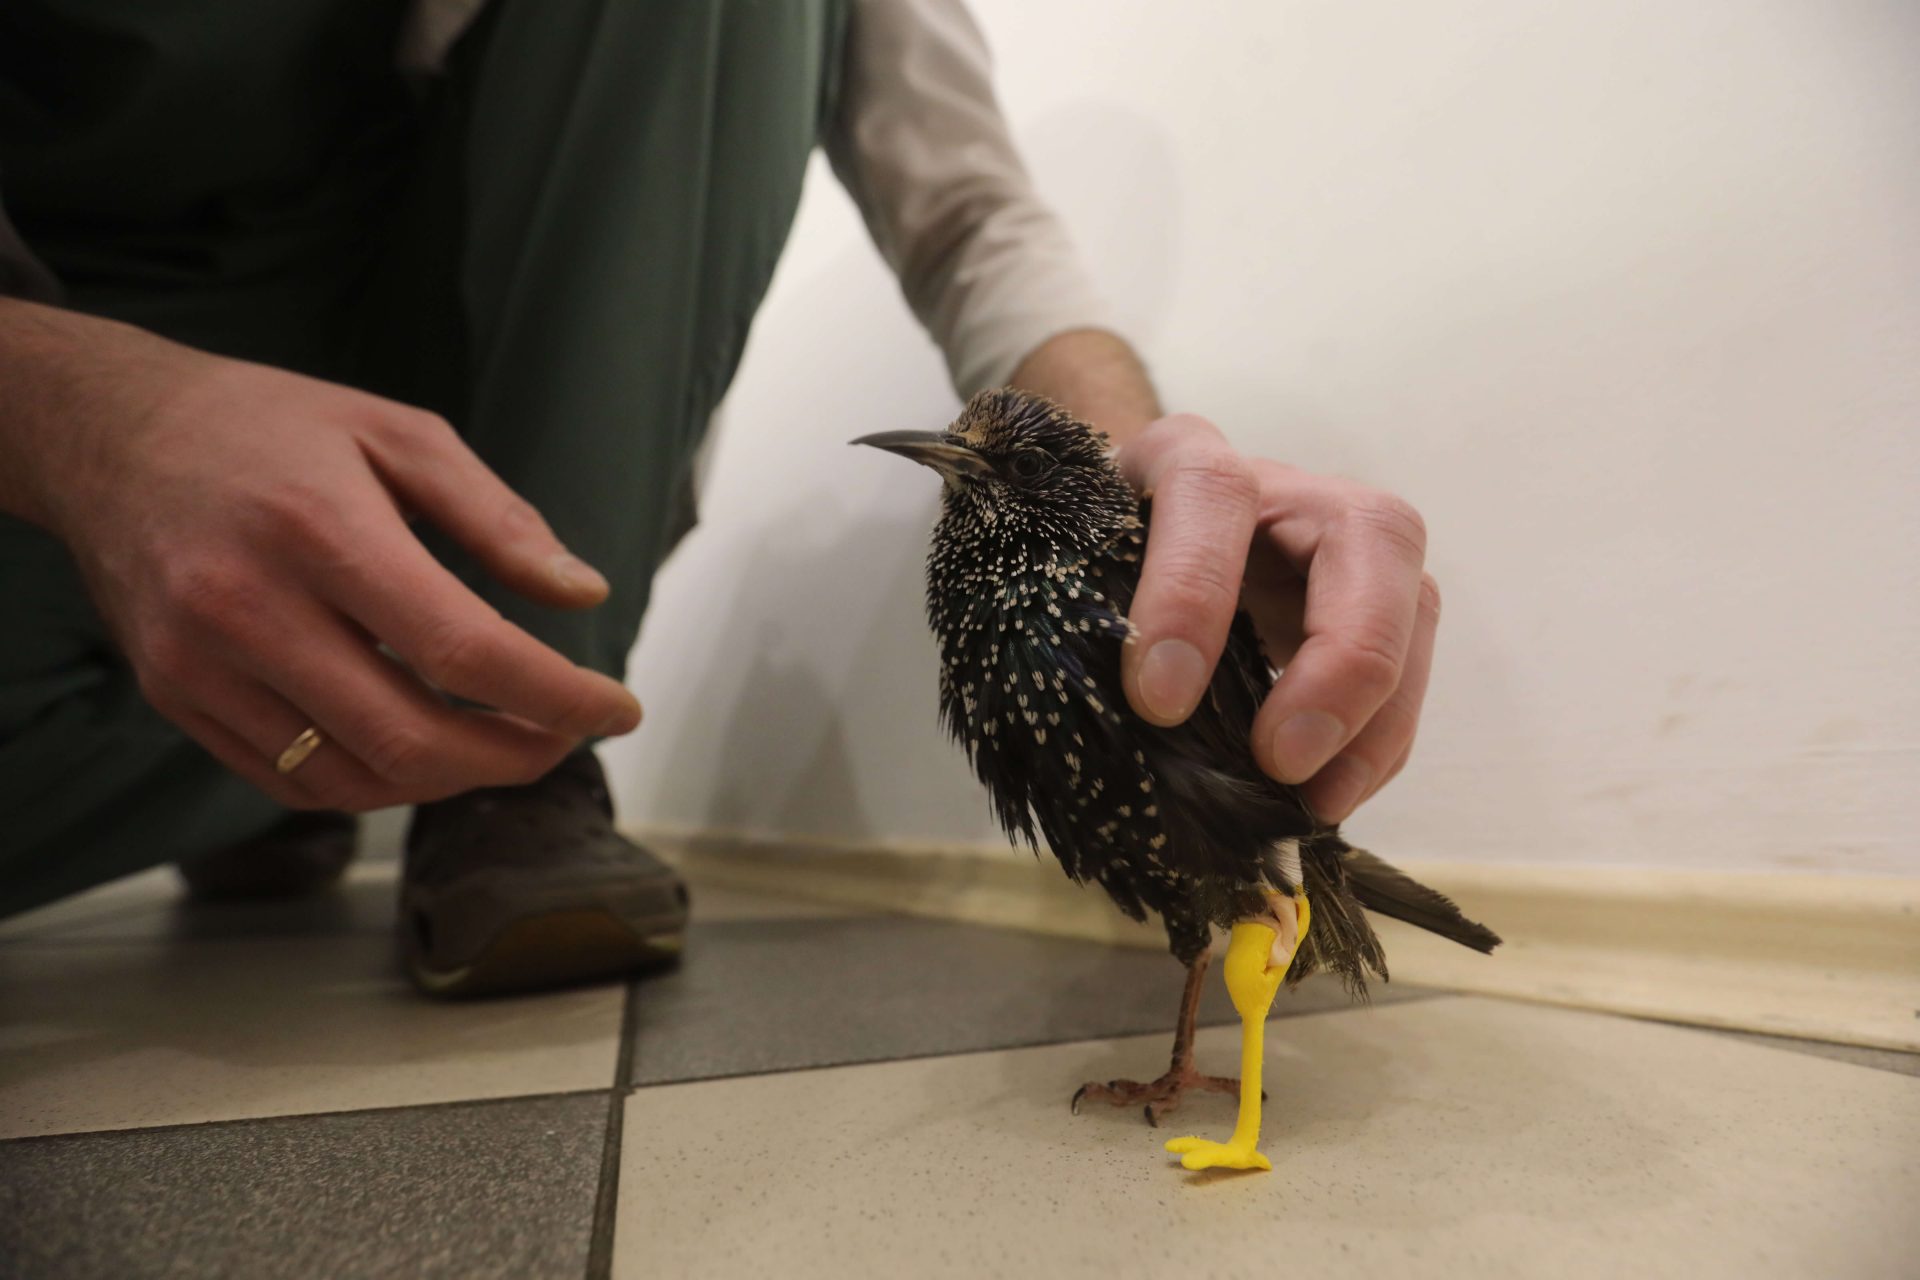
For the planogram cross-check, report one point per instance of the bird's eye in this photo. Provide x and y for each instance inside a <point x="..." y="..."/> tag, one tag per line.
<point x="1030" y="464"/>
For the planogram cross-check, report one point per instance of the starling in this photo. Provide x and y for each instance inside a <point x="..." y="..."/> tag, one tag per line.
<point x="1029" y="583"/>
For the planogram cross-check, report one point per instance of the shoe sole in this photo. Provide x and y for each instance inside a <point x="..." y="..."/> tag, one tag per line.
<point x="555" y="949"/>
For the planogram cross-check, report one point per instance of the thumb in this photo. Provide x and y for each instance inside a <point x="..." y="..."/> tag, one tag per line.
<point x="430" y="469"/>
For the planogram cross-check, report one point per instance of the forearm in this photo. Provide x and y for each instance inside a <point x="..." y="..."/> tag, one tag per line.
<point x="1096" y="376"/>
<point x="61" y="373"/>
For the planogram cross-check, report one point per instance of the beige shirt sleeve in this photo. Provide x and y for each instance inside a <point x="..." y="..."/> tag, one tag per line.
<point x="921" y="145"/>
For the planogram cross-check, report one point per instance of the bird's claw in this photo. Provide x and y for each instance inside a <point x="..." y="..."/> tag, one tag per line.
<point x="1202" y="1153"/>
<point x="1159" y="1096"/>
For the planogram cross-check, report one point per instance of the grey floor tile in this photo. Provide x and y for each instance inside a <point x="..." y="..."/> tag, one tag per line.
<point x="472" y="1190"/>
<point x="784" y="995"/>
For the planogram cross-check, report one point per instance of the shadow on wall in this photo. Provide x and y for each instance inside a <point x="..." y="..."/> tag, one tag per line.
<point x="784" y="762"/>
<point x="786" y="665"/>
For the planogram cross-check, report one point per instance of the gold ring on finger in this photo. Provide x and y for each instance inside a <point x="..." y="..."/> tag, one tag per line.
<point x="299" y="749"/>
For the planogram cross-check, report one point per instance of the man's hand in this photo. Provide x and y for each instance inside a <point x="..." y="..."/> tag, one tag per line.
<point x="243" y="531"/>
<point x="1331" y="573"/>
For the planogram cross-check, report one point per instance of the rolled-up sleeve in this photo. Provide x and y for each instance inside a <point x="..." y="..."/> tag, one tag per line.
<point x="920" y="143"/>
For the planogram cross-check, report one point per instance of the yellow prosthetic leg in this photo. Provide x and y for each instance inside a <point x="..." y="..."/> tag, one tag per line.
<point x="1254" y="971"/>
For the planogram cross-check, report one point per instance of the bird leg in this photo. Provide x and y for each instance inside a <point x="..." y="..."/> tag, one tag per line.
<point x="1163" y="1095"/>
<point x="1258" y="954"/>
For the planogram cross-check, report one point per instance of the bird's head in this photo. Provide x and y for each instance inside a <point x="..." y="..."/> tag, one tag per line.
<point x="1019" y="468"/>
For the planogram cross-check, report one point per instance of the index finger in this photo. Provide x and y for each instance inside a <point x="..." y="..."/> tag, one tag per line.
<point x="397" y="591"/>
<point x="1205" y="498"/>
<point x="1363" y="555"/>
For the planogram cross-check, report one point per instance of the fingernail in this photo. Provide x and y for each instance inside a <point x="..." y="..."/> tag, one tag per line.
<point x="1172" y="677"/>
<point x="572" y="572"/>
<point x="1339" y="787"/>
<point x="1304" y="742"/>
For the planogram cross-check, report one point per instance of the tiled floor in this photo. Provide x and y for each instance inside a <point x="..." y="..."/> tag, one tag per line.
<point x="252" y="1092"/>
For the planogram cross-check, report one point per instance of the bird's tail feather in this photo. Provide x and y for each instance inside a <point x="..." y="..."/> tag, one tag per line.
<point x="1339" y="937"/>
<point x="1344" y="883"/>
<point x="1392" y="892"/>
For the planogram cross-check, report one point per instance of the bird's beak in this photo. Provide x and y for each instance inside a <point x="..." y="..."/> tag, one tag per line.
<point x="933" y="449"/>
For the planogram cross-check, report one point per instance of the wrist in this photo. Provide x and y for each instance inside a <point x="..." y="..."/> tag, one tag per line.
<point x="1096" y="376"/>
<point x="70" y="391"/>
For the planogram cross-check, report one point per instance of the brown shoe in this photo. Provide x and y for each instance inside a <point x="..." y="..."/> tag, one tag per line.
<point x="520" y="888"/>
<point x="302" y="855"/>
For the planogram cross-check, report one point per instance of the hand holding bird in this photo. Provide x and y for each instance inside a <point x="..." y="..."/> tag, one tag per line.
<point x="1330" y="571"/>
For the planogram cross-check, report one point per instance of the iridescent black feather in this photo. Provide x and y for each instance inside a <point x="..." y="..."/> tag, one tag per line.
<point x="1029" y="583"/>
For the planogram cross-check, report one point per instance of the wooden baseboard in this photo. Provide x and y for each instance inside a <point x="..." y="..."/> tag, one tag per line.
<point x="1818" y="957"/>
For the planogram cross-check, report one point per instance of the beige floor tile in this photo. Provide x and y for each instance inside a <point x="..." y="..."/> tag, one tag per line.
<point x="1450" y="1137"/>
<point x="96" y="1036"/>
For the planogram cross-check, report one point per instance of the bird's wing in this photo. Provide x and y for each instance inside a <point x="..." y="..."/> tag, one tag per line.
<point x="1222" y="820"/>
<point x="1048" y="732"/>
<point x="1228" y="818"/>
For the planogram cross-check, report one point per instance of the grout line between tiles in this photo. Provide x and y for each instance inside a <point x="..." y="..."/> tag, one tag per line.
<point x="505" y="1100"/>
<point x="606" y="1201"/>
<point x="1898" y="1062"/>
<point x="1018" y="1045"/>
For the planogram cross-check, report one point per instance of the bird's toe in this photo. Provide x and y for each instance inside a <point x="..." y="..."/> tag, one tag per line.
<point x="1201" y="1153"/>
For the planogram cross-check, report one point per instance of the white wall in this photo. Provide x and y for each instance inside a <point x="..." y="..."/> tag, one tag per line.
<point x="1625" y="296"/>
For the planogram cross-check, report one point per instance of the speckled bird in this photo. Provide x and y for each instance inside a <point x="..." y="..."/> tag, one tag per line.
<point x="1029" y="583"/>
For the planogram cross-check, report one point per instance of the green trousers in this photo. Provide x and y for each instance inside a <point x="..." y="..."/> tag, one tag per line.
<point x="559" y="245"/>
